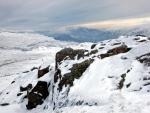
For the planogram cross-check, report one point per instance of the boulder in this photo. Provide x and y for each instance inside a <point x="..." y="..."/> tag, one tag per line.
<point x="38" y="94"/>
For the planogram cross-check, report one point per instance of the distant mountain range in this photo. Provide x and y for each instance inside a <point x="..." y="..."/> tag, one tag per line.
<point x="82" y="34"/>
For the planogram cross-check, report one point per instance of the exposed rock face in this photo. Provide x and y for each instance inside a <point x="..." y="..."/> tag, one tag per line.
<point x="66" y="79"/>
<point x="42" y="72"/>
<point x="69" y="53"/>
<point x="37" y="95"/>
<point x="115" y="51"/>
<point x="76" y="72"/>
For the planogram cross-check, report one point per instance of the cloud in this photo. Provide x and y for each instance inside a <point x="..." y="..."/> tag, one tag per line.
<point x="52" y="14"/>
<point x="118" y="23"/>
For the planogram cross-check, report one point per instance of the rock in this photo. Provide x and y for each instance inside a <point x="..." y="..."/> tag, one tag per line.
<point x="4" y="104"/>
<point x="69" y="53"/>
<point x="93" y="46"/>
<point x="28" y="87"/>
<point x="76" y="72"/>
<point x="34" y="68"/>
<point x="57" y="75"/>
<point x="145" y="59"/>
<point x="128" y="85"/>
<point x="142" y="40"/>
<point x="25" y="72"/>
<point x="136" y="39"/>
<point x="115" y="51"/>
<point x="146" y="78"/>
<point x="38" y="94"/>
<point x="146" y="84"/>
<point x="103" y="55"/>
<point x="94" y="52"/>
<point x="19" y="94"/>
<point x="117" y="43"/>
<point x="121" y="83"/>
<point x="141" y="35"/>
<point x="101" y="47"/>
<point x="42" y="72"/>
<point x="124" y="58"/>
<point x="12" y="82"/>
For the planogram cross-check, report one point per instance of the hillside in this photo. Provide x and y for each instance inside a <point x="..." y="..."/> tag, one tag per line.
<point x="40" y="74"/>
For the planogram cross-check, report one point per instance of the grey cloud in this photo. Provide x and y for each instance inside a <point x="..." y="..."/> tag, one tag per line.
<point x="48" y="14"/>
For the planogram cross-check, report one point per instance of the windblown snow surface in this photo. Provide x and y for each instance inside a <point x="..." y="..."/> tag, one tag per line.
<point x="21" y="52"/>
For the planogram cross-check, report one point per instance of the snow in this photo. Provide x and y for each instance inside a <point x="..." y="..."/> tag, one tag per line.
<point x="20" y="52"/>
<point x="99" y="82"/>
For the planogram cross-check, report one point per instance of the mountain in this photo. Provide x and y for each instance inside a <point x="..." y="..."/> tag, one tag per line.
<point x="83" y="34"/>
<point x="41" y="74"/>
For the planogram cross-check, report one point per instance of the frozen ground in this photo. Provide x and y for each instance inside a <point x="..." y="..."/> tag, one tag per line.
<point x="20" y="52"/>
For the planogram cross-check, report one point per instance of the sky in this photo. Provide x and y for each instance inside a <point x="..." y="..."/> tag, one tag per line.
<point x="54" y="14"/>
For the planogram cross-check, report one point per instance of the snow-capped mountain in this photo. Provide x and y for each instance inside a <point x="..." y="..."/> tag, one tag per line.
<point x="83" y="34"/>
<point x="41" y="74"/>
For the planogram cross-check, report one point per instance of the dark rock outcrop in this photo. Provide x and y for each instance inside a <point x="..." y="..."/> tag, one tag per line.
<point x="93" y="46"/>
<point x="69" y="53"/>
<point x="42" y="72"/>
<point x="77" y="69"/>
<point x="115" y="51"/>
<point x="38" y="94"/>
<point x="76" y="72"/>
<point x="93" y="52"/>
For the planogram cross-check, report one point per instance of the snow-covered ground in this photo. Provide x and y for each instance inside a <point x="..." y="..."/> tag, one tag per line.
<point x="96" y="91"/>
<point x="21" y="52"/>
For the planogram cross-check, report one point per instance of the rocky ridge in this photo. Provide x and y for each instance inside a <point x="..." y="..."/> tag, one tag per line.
<point x="105" y="67"/>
